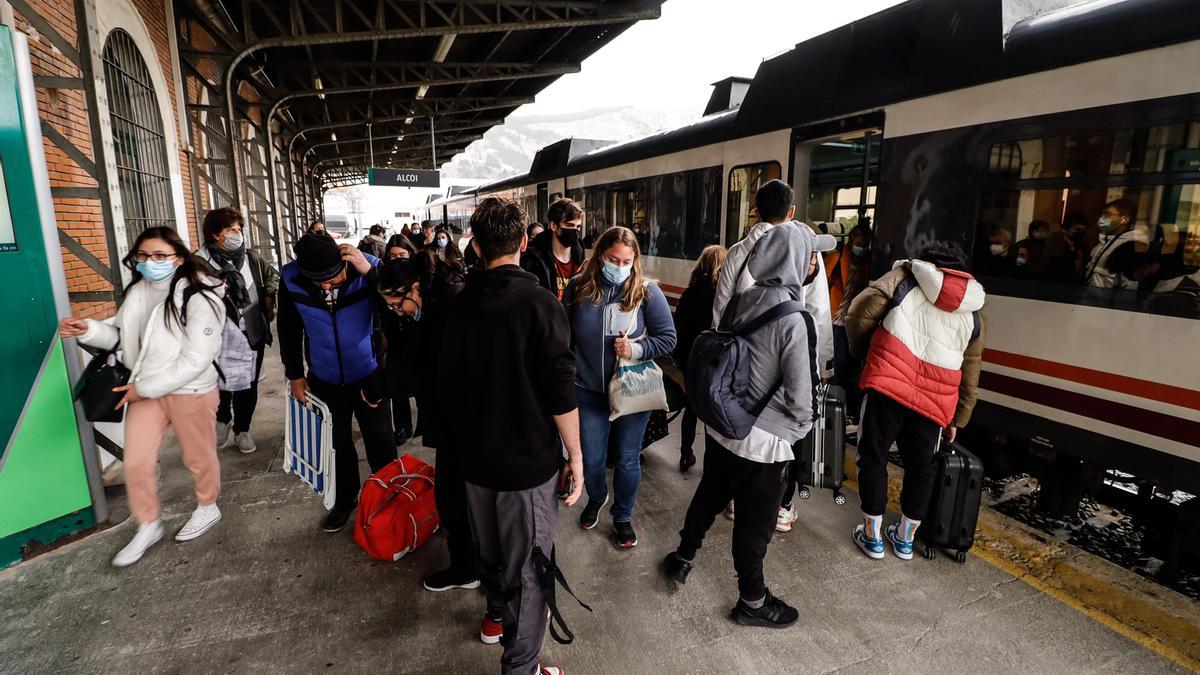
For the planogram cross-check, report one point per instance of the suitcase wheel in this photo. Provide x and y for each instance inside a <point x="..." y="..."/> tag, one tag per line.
<point x="839" y="499"/>
<point x="929" y="553"/>
<point x="961" y="557"/>
<point x="804" y="493"/>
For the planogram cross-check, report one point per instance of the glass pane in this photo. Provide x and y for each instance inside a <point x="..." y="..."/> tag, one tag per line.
<point x="1053" y="236"/>
<point x="743" y="186"/>
<point x="1159" y="148"/>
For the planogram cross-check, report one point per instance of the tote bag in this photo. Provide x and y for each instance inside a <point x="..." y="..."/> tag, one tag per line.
<point x="636" y="386"/>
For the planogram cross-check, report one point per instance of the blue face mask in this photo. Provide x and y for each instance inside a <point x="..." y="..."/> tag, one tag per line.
<point x="858" y="251"/>
<point x="156" y="271"/>
<point x="615" y="274"/>
<point x="442" y="243"/>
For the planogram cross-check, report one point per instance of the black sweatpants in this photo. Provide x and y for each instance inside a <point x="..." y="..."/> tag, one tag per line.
<point x="450" y="493"/>
<point x="374" y="423"/>
<point x="238" y="406"/>
<point x="687" y="432"/>
<point x="882" y="422"/>
<point x="755" y="489"/>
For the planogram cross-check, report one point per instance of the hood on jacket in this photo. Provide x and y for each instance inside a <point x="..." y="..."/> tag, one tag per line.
<point x="779" y="264"/>
<point x="949" y="290"/>
<point x="498" y="290"/>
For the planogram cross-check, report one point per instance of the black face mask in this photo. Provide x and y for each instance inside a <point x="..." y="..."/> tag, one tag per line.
<point x="812" y="277"/>
<point x="567" y="236"/>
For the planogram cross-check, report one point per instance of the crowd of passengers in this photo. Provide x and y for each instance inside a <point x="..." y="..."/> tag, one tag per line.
<point x="509" y="356"/>
<point x="1126" y="255"/>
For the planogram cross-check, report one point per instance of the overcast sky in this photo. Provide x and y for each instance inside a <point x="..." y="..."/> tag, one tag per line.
<point x="671" y="61"/>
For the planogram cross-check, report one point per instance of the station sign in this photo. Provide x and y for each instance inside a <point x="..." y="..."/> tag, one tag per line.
<point x="404" y="177"/>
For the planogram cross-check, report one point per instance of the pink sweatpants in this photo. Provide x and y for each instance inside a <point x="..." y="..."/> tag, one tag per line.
<point x="193" y="416"/>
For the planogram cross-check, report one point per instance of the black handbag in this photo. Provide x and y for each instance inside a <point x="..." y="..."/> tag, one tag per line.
<point x="94" y="391"/>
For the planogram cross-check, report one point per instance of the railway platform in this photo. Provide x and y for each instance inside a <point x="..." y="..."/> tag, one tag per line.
<point x="267" y="591"/>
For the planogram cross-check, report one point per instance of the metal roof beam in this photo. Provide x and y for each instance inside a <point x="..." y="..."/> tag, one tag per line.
<point x="408" y="151"/>
<point x="357" y="111"/>
<point x="382" y="138"/>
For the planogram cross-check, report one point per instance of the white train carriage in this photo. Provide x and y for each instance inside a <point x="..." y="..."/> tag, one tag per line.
<point x="941" y="123"/>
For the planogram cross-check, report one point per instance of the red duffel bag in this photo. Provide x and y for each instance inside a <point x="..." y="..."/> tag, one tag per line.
<point x="396" y="509"/>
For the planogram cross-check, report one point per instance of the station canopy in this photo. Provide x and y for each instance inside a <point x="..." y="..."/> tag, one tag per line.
<point x="349" y="84"/>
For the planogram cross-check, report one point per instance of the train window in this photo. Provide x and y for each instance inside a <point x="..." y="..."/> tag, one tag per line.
<point x="1149" y="149"/>
<point x="139" y="142"/>
<point x="1052" y="237"/>
<point x="673" y="215"/>
<point x="743" y="186"/>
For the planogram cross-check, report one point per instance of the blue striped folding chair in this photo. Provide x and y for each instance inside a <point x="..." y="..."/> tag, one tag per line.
<point x="308" y="446"/>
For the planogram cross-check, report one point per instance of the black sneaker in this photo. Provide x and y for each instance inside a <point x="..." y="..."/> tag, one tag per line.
<point x="402" y="436"/>
<point x="687" y="461"/>
<point x="676" y="569"/>
<point x="336" y="519"/>
<point x="774" y="613"/>
<point x="449" y="579"/>
<point x="624" y="534"/>
<point x="591" y="514"/>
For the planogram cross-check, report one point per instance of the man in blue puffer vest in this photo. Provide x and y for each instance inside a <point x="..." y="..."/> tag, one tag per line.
<point x="327" y="318"/>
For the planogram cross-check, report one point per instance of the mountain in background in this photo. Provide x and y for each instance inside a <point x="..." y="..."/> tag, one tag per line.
<point x="508" y="150"/>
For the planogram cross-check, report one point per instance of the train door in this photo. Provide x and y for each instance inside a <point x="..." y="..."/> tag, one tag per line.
<point x="835" y="172"/>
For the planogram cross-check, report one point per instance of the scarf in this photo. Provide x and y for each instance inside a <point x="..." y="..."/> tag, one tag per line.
<point x="229" y="268"/>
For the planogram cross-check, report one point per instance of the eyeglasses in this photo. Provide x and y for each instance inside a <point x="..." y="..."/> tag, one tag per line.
<point x="154" y="257"/>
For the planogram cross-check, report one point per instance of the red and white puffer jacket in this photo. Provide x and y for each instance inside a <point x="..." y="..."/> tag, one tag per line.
<point x="916" y="353"/>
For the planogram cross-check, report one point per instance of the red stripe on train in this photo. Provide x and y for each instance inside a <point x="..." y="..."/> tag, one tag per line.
<point x="1139" y="419"/>
<point x="1155" y="391"/>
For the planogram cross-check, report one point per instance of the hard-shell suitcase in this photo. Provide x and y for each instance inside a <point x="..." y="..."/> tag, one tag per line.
<point x="308" y="446"/>
<point x="954" y="507"/>
<point x="822" y="457"/>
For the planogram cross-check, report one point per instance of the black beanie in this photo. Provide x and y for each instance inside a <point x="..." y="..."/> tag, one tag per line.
<point x="319" y="257"/>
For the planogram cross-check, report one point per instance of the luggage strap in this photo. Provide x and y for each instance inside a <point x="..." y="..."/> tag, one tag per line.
<point x="394" y="491"/>
<point x="549" y="574"/>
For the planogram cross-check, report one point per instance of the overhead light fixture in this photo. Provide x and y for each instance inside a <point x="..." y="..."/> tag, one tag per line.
<point x="333" y="136"/>
<point x="319" y="86"/>
<point x="421" y="91"/>
<point x="408" y="120"/>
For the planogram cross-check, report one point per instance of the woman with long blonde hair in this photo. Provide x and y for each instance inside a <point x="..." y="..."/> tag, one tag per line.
<point x="615" y="311"/>
<point x="693" y="315"/>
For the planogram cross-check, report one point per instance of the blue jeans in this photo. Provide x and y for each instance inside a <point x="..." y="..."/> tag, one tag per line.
<point x="594" y="432"/>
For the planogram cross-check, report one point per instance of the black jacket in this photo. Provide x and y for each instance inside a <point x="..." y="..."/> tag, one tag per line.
<point x="538" y="260"/>
<point x="693" y="315"/>
<point x="507" y="370"/>
<point x="425" y="355"/>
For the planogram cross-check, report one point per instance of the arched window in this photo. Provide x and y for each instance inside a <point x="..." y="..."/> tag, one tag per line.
<point x="138" y="139"/>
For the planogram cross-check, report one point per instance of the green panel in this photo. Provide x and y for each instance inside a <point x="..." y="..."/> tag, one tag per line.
<point x="27" y="304"/>
<point x="16" y="547"/>
<point x="43" y="476"/>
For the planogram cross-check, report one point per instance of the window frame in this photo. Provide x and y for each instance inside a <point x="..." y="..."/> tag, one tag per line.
<point x="729" y="190"/>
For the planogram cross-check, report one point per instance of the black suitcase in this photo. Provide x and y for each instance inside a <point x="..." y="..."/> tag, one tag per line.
<point x="954" y="507"/>
<point x="821" y="459"/>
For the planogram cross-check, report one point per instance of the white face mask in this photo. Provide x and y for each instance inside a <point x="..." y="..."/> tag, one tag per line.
<point x="1039" y="235"/>
<point x="233" y="242"/>
<point x="997" y="249"/>
<point x="1105" y="224"/>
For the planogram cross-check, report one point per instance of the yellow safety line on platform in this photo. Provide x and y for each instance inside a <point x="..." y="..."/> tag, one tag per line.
<point x="1026" y="558"/>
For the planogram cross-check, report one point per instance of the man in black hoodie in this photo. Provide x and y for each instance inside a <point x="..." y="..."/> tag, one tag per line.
<point x="554" y="256"/>
<point x="511" y="341"/>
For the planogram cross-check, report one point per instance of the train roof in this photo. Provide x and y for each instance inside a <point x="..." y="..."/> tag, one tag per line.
<point x="914" y="49"/>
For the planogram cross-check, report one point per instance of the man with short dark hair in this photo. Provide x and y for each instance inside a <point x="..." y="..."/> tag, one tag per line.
<point x="1116" y="260"/>
<point x="428" y="232"/>
<point x="554" y="256"/>
<point x="327" y="318"/>
<point x="511" y="340"/>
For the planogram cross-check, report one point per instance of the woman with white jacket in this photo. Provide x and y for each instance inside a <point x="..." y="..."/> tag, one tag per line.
<point x="168" y="332"/>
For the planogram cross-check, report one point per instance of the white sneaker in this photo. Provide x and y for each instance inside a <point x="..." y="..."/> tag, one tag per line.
<point x="202" y="520"/>
<point x="147" y="535"/>
<point x="244" y="443"/>
<point x="223" y="433"/>
<point x="783" y="522"/>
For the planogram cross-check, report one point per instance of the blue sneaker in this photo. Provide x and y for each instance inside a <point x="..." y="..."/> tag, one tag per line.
<point x="874" y="548"/>
<point x="902" y="549"/>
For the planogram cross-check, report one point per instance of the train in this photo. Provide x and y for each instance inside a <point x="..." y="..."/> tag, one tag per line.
<point x="943" y="120"/>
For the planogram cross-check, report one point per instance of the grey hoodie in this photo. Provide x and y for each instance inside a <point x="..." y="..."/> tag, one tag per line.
<point x="779" y="263"/>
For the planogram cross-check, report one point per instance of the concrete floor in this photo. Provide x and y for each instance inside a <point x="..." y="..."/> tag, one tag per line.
<point x="267" y="591"/>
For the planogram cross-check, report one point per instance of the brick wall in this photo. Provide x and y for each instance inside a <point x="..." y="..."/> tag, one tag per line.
<point x="66" y="111"/>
